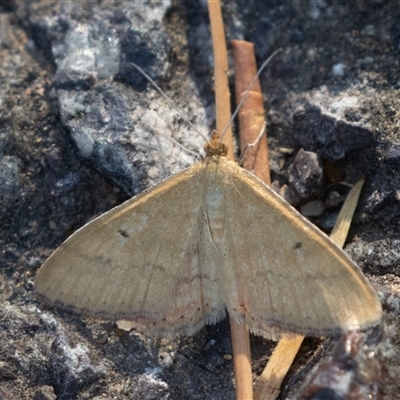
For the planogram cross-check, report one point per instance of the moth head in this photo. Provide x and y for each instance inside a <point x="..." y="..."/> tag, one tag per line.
<point x="215" y="147"/>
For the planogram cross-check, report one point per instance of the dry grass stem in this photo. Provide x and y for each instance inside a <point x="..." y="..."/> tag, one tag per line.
<point x="240" y="334"/>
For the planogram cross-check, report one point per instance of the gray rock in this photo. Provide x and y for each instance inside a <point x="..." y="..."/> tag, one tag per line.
<point x="305" y="176"/>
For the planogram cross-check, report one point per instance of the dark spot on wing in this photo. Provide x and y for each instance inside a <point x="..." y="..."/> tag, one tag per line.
<point x="123" y="233"/>
<point x="159" y="267"/>
<point x="297" y="246"/>
<point x="104" y="261"/>
<point x="194" y="277"/>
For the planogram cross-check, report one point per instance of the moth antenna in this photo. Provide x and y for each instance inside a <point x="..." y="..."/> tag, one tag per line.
<point x="248" y="145"/>
<point x="170" y="102"/>
<point x="246" y="93"/>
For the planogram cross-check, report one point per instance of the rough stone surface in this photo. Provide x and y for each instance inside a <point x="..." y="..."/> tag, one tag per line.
<point x="81" y="130"/>
<point x="305" y="176"/>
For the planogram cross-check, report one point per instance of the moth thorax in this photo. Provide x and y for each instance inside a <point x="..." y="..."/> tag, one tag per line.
<point x="215" y="218"/>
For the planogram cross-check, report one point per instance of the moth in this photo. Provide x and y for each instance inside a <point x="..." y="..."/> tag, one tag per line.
<point x="209" y="240"/>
